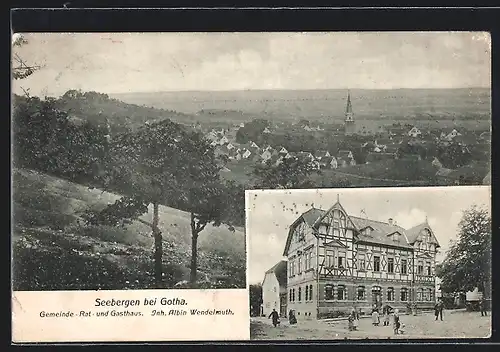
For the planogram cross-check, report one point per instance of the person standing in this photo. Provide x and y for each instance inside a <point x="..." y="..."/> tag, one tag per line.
<point x="482" y="307"/>
<point x="439" y="307"/>
<point x="375" y="317"/>
<point x="276" y="318"/>
<point x="397" y="323"/>
<point x="386" y="315"/>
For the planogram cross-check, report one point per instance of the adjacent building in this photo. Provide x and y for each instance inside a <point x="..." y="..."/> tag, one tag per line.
<point x="337" y="261"/>
<point x="274" y="289"/>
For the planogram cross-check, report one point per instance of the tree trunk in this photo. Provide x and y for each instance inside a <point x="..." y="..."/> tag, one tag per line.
<point x="194" y="257"/>
<point x="158" y="254"/>
<point x="196" y="227"/>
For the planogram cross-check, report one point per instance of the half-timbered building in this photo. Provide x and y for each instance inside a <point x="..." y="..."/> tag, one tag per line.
<point x="337" y="261"/>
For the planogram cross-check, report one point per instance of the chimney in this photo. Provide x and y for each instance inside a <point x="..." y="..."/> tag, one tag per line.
<point x="390" y="221"/>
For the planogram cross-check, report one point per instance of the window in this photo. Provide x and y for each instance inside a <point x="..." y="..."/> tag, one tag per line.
<point x="368" y="231"/>
<point x="310" y="292"/>
<point x="390" y="293"/>
<point x="341" y="292"/>
<point x="308" y="258"/>
<point x="341" y="260"/>
<point x="431" y="294"/>
<point x="293" y="295"/>
<point x="290" y="296"/>
<point x="390" y="265"/>
<point x="330" y="256"/>
<point x="299" y="264"/>
<point x="428" y="268"/>
<point x="376" y="263"/>
<point x="404" y="294"/>
<point x="420" y="294"/>
<point x="404" y="266"/>
<point x="361" y="262"/>
<point x="300" y="294"/>
<point x="328" y="292"/>
<point x="290" y="264"/>
<point x="420" y="268"/>
<point x="361" y="293"/>
<point x="307" y="293"/>
<point x="395" y="237"/>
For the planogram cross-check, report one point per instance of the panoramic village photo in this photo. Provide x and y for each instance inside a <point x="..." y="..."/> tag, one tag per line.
<point x="131" y="152"/>
<point x="371" y="263"/>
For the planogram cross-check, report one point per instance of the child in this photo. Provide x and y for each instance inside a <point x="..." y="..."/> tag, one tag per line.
<point x="375" y="317"/>
<point x="350" y="321"/>
<point x="402" y="329"/>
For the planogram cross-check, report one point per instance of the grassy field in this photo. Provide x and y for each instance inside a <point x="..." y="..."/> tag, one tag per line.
<point x="49" y="243"/>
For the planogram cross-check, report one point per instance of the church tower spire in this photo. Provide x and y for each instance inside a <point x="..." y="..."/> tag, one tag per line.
<point x="349" y="116"/>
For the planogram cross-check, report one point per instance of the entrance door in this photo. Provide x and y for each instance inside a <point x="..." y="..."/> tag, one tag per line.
<point x="377" y="297"/>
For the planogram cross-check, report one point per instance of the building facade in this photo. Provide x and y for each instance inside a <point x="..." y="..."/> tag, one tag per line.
<point x="274" y="290"/>
<point x="337" y="261"/>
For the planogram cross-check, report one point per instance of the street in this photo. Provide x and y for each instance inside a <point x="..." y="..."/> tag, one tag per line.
<point x="455" y="324"/>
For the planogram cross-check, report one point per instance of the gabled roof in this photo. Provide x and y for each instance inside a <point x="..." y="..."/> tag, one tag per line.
<point x="312" y="215"/>
<point x="380" y="231"/>
<point x="412" y="233"/>
<point x="280" y="270"/>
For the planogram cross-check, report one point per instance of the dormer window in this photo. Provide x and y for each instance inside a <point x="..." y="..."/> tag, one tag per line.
<point x="323" y="228"/>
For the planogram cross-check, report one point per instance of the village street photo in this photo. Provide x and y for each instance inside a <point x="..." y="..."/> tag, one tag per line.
<point x="412" y="262"/>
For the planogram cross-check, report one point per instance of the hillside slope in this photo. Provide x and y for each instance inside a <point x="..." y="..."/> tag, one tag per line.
<point x="47" y="239"/>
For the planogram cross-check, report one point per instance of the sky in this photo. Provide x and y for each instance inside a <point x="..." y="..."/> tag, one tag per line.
<point x="270" y="212"/>
<point x="149" y="62"/>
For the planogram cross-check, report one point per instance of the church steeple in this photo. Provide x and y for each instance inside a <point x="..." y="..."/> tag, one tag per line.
<point x="348" y="110"/>
<point x="349" y="116"/>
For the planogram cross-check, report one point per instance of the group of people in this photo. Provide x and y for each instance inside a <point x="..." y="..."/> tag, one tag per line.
<point x="276" y="317"/>
<point x="386" y="312"/>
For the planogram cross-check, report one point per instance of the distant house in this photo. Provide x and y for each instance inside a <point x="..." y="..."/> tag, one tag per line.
<point x="449" y="134"/>
<point x="345" y="154"/>
<point x="306" y="155"/>
<point x="266" y="130"/>
<point x="246" y="154"/>
<point x="283" y="150"/>
<point x="223" y="140"/>
<point x="274" y="290"/>
<point x="307" y="128"/>
<point x="230" y="146"/>
<point x="275" y="160"/>
<point x="242" y="124"/>
<point x="266" y="155"/>
<point x="414" y="132"/>
<point x="254" y="145"/>
<point x="329" y="162"/>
